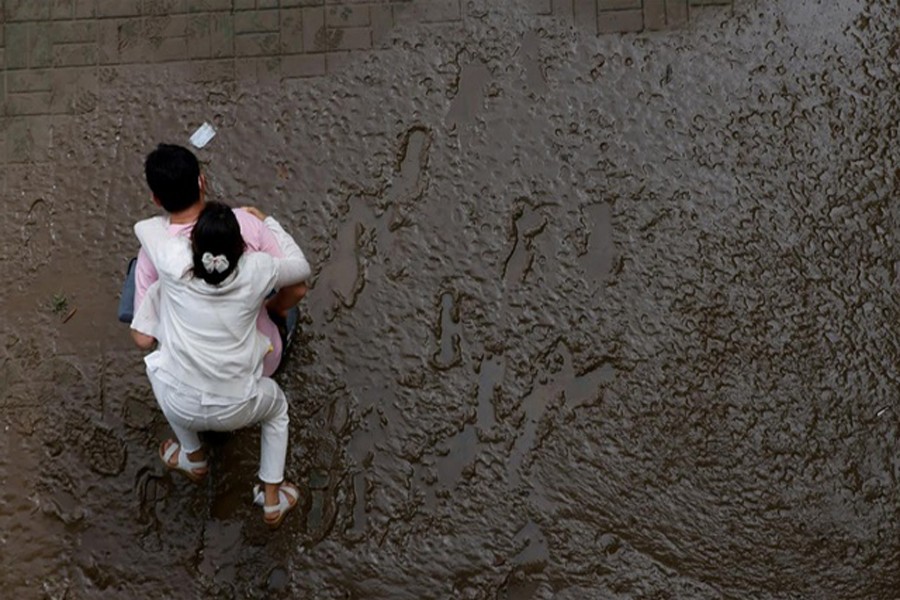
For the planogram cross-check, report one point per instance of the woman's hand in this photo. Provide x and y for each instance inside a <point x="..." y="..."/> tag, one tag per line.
<point x="142" y="340"/>
<point x="255" y="212"/>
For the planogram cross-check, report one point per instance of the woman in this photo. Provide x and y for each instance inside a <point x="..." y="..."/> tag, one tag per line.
<point x="207" y="373"/>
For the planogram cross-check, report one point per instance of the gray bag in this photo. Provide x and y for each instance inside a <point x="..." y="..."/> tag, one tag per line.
<point x="126" y="300"/>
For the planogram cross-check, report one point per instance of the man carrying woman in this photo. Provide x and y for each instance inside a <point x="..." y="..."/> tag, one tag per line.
<point x="209" y="371"/>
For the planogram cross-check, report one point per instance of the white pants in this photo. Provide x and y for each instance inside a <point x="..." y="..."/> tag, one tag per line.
<point x="189" y="410"/>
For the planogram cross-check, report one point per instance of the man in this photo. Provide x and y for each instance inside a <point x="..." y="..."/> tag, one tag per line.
<point x="178" y="187"/>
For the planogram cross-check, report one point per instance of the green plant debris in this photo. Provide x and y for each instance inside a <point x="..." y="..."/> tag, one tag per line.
<point x="59" y="304"/>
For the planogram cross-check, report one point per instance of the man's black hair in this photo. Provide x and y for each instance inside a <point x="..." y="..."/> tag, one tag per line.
<point x="173" y="176"/>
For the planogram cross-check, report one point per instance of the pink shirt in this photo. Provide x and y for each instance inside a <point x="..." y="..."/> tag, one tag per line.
<point x="258" y="238"/>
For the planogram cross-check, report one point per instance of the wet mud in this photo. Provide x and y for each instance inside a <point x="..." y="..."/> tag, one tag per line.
<point x="592" y="317"/>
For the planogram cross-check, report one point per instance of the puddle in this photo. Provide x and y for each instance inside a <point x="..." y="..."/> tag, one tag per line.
<point x="469" y="98"/>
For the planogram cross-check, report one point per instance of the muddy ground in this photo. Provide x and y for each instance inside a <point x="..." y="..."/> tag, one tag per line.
<point x="592" y="317"/>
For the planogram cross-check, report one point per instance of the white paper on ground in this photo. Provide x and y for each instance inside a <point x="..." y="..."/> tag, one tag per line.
<point x="202" y="136"/>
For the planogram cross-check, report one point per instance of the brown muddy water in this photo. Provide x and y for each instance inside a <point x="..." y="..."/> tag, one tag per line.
<point x="592" y="317"/>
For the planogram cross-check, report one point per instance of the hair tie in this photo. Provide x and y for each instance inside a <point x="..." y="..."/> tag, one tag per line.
<point x="214" y="263"/>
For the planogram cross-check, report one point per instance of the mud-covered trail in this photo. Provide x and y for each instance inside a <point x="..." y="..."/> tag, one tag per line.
<point x="592" y="316"/>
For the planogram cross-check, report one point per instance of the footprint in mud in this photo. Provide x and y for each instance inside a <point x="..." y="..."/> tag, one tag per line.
<point x="528" y="223"/>
<point x="362" y="491"/>
<point x="448" y="333"/>
<point x="151" y="488"/>
<point x="108" y="75"/>
<point x="322" y="514"/>
<point x="531" y="560"/>
<point x="530" y="50"/>
<point x="469" y="97"/>
<point x="9" y="376"/>
<point x="105" y="452"/>
<point x="223" y="542"/>
<point x="563" y="385"/>
<point x="342" y="279"/>
<point x="534" y="554"/>
<point x="372" y="434"/>
<point x="367" y="233"/>
<point x="55" y="393"/>
<point x="464" y="447"/>
<point x="58" y="499"/>
<point x="137" y="413"/>
<point x="277" y="580"/>
<point x="37" y="234"/>
<point x="409" y="181"/>
<point x="595" y="245"/>
<point x="16" y="391"/>
<point x="72" y="386"/>
<point x="83" y="101"/>
<point x="75" y="421"/>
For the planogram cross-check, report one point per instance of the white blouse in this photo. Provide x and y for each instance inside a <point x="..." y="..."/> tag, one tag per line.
<point x="207" y="334"/>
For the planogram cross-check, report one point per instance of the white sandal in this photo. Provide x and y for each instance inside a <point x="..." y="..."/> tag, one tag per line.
<point x="185" y="465"/>
<point x="288" y="496"/>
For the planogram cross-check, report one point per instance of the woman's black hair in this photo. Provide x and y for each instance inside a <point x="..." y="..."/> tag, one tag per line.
<point x="217" y="231"/>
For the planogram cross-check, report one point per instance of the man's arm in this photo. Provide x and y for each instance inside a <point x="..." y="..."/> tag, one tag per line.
<point x="145" y="275"/>
<point x="286" y="298"/>
<point x="256" y="235"/>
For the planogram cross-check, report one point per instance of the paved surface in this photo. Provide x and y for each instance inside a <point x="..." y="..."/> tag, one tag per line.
<point x="56" y="55"/>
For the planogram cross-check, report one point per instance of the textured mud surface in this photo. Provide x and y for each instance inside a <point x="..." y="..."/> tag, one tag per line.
<point x="593" y="317"/>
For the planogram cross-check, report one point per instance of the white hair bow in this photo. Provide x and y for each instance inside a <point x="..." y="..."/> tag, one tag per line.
<point x="214" y="263"/>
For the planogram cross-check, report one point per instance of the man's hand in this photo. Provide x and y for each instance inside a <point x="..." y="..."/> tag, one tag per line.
<point x="286" y="298"/>
<point x="255" y="212"/>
